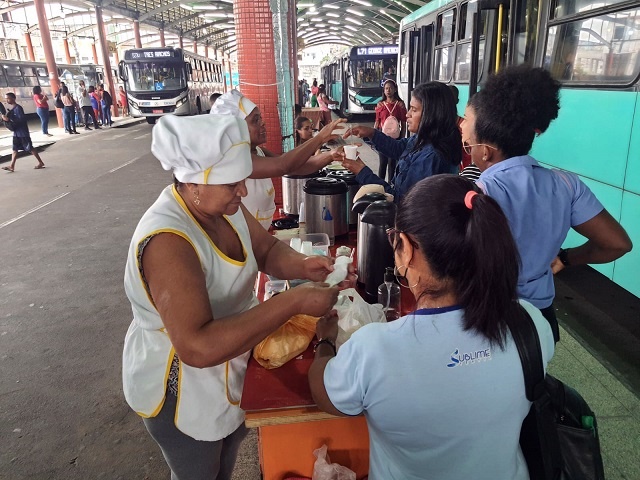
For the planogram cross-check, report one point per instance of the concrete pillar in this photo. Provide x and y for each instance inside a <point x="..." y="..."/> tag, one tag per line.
<point x="50" y="58"/>
<point x="195" y="46"/>
<point x="256" y="64"/>
<point x="136" y="33"/>
<point x="67" y="52"/>
<point x="180" y="42"/>
<point x="94" y="52"/>
<point x="162" y="44"/>
<point x="206" y="50"/>
<point x="30" y="52"/>
<point x="105" y="57"/>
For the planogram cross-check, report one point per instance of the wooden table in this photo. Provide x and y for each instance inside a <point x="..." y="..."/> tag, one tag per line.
<point x="313" y="114"/>
<point x="290" y="426"/>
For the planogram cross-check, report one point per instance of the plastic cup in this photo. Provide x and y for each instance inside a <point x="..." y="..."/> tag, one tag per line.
<point x="351" y="151"/>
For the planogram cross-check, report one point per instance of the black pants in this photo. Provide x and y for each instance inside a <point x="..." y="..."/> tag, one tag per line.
<point x="387" y="164"/>
<point x="89" y="113"/>
<point x="550" y="314"/>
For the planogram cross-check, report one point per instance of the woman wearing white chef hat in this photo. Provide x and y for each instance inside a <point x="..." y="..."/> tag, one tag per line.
<point x="260" y="200"/>
<point x="190" y="274"/>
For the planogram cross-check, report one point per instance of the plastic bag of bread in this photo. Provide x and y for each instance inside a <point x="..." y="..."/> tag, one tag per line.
<point x="289" y="341"/>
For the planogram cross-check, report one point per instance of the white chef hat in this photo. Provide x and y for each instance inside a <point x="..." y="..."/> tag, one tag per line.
<point x="233" y="103"/>
<point x="203" y="149"/>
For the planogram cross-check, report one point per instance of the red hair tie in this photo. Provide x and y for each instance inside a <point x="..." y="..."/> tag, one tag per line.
<point x="468" y="198"/>
<point x="537" y="131"/>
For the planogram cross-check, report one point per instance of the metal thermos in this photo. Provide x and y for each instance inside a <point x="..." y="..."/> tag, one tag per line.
<point x="325" y="204"/>
<point x="374" y="251"/>
<point x="363" y="202"/>
<point x="293" y="193"/>
<point x="350" y="179"/>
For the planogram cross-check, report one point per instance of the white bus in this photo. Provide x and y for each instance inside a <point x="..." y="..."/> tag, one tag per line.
<point x="20" y="77"/>
<point x="169" y="80"/>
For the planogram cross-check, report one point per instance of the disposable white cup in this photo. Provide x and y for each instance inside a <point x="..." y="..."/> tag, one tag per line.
<point x="351" y="151"/>
<point x="307" y="248"/>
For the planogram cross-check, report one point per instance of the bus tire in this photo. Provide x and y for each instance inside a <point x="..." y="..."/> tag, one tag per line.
<point x="151" y="120"/>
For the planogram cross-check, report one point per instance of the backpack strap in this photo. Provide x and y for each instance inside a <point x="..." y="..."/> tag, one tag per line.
<point x="392" y="110"/>
<point x="525" y="336"/>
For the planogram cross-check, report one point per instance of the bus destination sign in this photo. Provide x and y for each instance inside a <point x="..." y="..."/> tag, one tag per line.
<point x="382" y="50"/>
<point x="147" y="54"/>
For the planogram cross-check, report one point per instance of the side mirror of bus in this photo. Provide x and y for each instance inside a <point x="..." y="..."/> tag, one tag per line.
<point x="189" y="68"/>
<point x="122" y="71"/>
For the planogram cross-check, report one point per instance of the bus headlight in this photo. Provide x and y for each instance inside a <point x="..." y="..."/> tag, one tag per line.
<point x="355" y="100"/>
<point x="181" y="102"/>
<point x="134" y="104"/>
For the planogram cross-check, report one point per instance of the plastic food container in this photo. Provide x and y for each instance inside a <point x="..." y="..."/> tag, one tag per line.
<point x="319" y="242"/>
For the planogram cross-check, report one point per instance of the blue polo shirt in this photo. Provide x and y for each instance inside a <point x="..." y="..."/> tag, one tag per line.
<point x="541" y="205"/>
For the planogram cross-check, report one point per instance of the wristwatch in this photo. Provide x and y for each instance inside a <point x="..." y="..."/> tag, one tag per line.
<point x="562" y="255"/>
<point x="328" y="342"/>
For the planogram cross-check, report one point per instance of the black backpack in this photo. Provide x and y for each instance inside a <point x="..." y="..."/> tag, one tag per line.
<point x="58" y="101"/>
<point x="9" y="125"/>
<point x="559" y="436"/>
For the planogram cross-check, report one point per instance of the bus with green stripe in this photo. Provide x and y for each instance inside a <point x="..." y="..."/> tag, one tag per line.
<point x="364" y="70"/>
<point x="591" y="46"/>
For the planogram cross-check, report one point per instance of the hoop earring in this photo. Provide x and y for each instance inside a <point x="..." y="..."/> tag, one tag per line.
<point x="400" y="277"/>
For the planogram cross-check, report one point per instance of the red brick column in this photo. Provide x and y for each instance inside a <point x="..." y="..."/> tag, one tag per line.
<point x="257" y="68"/>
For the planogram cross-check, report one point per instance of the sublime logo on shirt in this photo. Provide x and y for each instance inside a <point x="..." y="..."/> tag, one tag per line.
<point x="460" y="359"/>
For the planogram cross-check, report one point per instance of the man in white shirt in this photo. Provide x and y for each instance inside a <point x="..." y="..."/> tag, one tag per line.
<point x="85" y="103"/>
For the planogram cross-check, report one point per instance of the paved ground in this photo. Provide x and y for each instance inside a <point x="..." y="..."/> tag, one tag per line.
<point x="64" y="233"/>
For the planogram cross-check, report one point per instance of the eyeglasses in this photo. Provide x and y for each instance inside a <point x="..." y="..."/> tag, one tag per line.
<point x="467" y="148"/>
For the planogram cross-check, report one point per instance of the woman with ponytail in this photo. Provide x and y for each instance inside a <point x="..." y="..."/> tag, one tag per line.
<point x="542" y="205"/>
<point x="441" y="388"/>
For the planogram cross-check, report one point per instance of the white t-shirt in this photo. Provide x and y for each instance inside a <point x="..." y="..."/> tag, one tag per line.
<point x="440" y="402"/>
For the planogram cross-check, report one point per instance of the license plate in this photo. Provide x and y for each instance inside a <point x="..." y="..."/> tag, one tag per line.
<point x="157" y="110"/>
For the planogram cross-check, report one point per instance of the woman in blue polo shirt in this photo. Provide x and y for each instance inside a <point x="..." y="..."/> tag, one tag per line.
<point x="541" y="204"/>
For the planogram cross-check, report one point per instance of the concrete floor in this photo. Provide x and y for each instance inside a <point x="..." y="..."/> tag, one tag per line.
<point x="64" y="233"/>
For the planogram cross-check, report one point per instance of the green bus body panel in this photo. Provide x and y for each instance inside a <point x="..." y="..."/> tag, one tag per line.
<point x="424" y="10"/>
<point x="632" y="180"/>
<point x="367" y="100"/>
<point x="336" y="91"/>
<point x="627" y="270"/>
<point x="611" y="198"/>
<point x="591" y="135"/>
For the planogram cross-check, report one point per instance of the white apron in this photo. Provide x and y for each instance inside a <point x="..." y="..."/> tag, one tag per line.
<point x="208" y="398"/>
<point x="261" y="198"/>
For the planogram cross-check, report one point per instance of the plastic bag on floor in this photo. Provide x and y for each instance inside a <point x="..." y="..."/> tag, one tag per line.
<point x="323" y="469"/>
<point x="353" y="313"/>
<point x="289" y="341"/>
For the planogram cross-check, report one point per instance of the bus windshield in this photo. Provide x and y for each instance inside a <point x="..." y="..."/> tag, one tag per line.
<point x="154" y="77"/>
<point x="371" y="73"/>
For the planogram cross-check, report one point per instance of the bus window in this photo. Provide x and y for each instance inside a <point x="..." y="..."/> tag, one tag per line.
<point x="43" y="77"/>
<point x="526" y="32"/>
<point x="445" y="48"/>
<point x="598" y="50"/>
<point x="14" y="75"/>
<point x="569" y="7"/>
<point x="465" y="31"/>
<point x="30" y="78"/>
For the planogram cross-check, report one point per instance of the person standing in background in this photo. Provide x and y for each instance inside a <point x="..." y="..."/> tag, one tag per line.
<point x="69" y="111"/>
<point x="123" y="101"/>
<point x="106" y="103"/>
<point x="42" y="108"/>
<point x="21" y="137"/>
<point x="85" y="104"/>
<point x="95" y="103"/>
<point x="314" y="94"/>
<point x="391" y="106"/>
